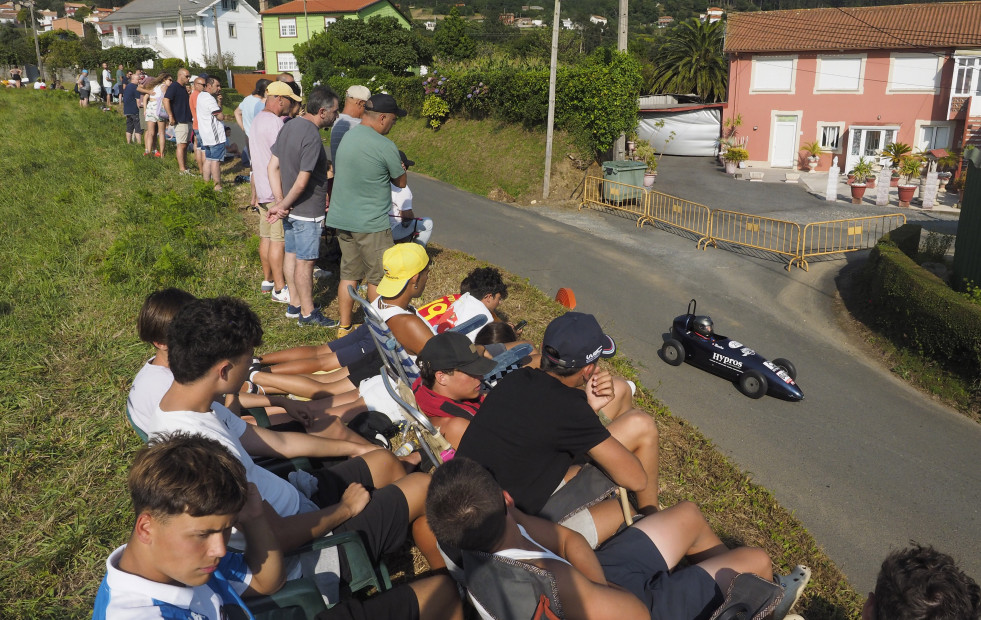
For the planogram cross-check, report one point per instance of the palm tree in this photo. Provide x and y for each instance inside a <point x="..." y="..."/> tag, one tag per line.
<point x="691" y="61"/>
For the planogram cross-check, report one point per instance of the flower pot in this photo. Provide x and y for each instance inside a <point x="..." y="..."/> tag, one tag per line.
<point x="906" y="194"/>
<point x="812" y="164"/>
<point x="730" y="167"/>
<point x="851" y="178"/>
<point x="742" y="164"/>
<point x="649" y="178"/>
<point x="893" y="181"/>
<point x="858" y="191"/>
<point x="870" y="182"/>
<point x="631" y="146"/>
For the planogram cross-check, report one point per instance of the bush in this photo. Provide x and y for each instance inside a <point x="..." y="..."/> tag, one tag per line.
<point x="907" y="239"/>
<point x="171" y="65"/>
<point x="918" y="311"/>
<point x="436" y="110"/>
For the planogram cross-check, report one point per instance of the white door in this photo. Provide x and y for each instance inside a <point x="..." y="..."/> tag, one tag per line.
<point x="785" y="142"/>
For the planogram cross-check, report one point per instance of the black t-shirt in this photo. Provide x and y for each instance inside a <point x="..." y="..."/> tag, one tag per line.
<point x="130" y="95"/>
<point x="528" y="432"/>
<point x="180" y="102"/>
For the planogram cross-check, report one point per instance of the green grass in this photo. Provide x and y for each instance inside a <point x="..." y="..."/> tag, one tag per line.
<point x="87" y="226"/>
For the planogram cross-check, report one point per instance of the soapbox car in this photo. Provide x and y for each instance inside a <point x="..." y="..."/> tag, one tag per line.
<point x="694" y="340"/>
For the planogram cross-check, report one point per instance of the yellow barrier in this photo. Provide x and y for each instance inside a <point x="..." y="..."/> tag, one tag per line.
<point x="614" y="195"/>
<point x="850" y="235"/>
<point x="754" y="231"/>
<point x="677" y="212"/>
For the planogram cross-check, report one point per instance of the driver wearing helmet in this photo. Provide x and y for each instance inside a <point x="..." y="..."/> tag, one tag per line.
<point x="702" y="326"/>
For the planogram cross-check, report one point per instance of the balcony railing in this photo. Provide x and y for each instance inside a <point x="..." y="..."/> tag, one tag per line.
<point x="138" y="40"/>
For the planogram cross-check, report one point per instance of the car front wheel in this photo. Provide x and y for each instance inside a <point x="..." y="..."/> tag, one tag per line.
<point x="788" y="368"/>
<point x="752" y="384"/>
<point x="673" y="352"/>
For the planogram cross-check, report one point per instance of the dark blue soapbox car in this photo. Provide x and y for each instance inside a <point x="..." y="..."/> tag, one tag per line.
<point x="693" y="340"/>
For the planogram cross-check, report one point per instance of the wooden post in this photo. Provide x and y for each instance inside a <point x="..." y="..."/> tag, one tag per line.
<point x="556" y="18"/>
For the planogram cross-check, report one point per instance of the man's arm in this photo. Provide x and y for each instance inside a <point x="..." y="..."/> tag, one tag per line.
<point x="170" y="112"/>
<point x="402" y="181"/>
<point x="283" y="205"/>
<point x="410" y="331"/>
<point x="563" y="542"/>
<point x="299" y="529"/>
<point x="619" y="464"/>
<point x="262" y="552"/>
<point x="238" y="116"/>
<point x="259" y="441"/>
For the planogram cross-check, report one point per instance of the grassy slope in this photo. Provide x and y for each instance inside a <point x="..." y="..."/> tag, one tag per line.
<point x="72" y="190"/>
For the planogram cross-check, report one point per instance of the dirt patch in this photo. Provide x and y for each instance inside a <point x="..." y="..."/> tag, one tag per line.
<point x="500" y="195"/>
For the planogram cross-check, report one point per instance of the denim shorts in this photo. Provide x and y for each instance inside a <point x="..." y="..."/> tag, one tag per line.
<point x="303" y="238"/>
<point x="215" y="152"/>
<point x="197" y="140"/>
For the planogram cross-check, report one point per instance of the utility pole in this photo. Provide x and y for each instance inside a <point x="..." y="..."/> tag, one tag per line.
<point x="551" y="97"/>
<point x="37" y="46"/>
<point x="180" y="22"/>
<point x="618" y="147"/>
<point x="214" y="13"/>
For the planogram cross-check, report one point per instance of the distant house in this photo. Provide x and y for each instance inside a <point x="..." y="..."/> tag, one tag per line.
<point x="295" y="22"/>
<point x="664" y="21"/>
<point x="96" y="18"/>
<point x="156" y="24"/>
<point x="506" y="18"/>
<point x="71" y="7"/>
<point x="67" y="23"/>
<point x="855" y="79"/>
<point x="597" y="19"/>
<point x="430" y="25"/>
<point x="712" y="14"/>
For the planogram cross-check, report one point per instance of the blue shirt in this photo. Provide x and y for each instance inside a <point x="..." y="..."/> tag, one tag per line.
<point x="124" y="596"/>
<point x="130" y="95"/>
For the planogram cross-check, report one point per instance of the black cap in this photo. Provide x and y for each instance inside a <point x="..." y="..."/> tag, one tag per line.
<point x="384" y="104"/>
<point x="453" y="351"/>
<point x="405" y="160"/>
<point x="578" y="340"/>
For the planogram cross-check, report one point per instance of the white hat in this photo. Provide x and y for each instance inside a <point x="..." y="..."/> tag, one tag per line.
<point x="359" y="92"/>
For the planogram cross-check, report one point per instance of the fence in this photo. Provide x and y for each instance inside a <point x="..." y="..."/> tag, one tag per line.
<point x="780" y="237"/>
<point x="840" y="236"/>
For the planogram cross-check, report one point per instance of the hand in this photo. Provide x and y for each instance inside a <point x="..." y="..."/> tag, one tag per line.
<point x="277" y="213"/>
<point x="355" y="498"/>
<point x="172" y="122"/>
<point x="599" y="389"/>
<point x="408" y="216"/>
<point x="253" y="505"/>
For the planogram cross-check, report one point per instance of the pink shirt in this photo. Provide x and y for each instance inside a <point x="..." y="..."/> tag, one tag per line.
<point x="265" y="129"/>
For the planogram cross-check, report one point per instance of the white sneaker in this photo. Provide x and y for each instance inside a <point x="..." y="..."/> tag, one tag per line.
<point x="282" y="296"/>
<point x="321" y="274"/>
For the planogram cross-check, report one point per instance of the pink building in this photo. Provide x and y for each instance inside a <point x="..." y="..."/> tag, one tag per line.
<point x="855" y="79"/>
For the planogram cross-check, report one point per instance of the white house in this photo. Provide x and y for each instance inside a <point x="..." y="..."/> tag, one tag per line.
<point x="157" y="24"/>
<point x="597" y="19"/>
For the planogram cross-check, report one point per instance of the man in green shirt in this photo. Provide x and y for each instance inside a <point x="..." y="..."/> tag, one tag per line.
<point x="367" y="165"/>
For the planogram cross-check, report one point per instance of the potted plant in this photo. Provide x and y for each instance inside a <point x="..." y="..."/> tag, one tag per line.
<point x="631" y="143"/>
<point x="862" y="171"/>
<point x="646" y="153"/>
<point x="814" y="151"/>
<point x="896" y="152"/>
<point x="946" y="166"/>
<point x="909" y="169"/>
<point x="735" y="156"/>
<point x="724" y="145"/>
<point x="958" y="186"/>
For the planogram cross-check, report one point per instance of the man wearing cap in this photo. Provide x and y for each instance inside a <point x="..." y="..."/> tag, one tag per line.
<point x="354" y="102"/>
<point x="537" y="426"/>
<point x="367" y="166"/>
<point x="84" y="88"/>
<point x="264" y="131"/>
<point x="451" y="371"/>
<point x="298" y="178"/>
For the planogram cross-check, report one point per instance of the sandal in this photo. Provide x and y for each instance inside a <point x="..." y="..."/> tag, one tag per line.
<point x="792" y="584"/>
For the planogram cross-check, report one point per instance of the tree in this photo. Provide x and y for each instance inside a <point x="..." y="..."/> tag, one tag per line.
<point x="690" y="60"/>
<point x="452" y="38"/>
<point x="16" y="46"/>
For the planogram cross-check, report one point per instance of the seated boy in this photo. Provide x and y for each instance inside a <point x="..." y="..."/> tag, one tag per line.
<point x="151" y="383"/>
<point x="187" y="492"/>
<point x="920" y="583"/>
<point x="210" y="346"/>
<point x="633" y="576"/>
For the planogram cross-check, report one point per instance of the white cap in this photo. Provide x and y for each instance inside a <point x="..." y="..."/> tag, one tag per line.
<point x="359" y="92"/>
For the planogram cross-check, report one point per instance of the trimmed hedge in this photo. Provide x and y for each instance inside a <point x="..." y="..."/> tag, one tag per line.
<point x="906" y="238"/>
<point x="917" y="310"/>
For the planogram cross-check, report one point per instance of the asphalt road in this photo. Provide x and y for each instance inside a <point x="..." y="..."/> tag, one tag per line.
<point x="865" y="462"/>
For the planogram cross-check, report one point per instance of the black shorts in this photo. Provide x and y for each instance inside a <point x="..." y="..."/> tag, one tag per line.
<point x="351" y="348"/>
<point x="368" y="366"/>
<point x="133" y="123"/>
<point x="399" y="603"/>
<point x="384" y="522"/>
<point x="632" y="561"/>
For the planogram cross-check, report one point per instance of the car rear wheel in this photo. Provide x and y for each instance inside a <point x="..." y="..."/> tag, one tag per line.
<point x="673" y="352"/>
<point x="789" y="368"/>
<point x="753" y="384"/>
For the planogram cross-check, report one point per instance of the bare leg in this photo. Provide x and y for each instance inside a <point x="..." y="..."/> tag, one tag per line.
<point x="345" y="303"/>
<point x="437" y="597"/>
<point x="293" y="353"/>
<point x="304" y="386"/>
<point x="637" y="431"/>
<point x="385" y="469"/>
<point x="276" y="251"/>
<point x="182" y="157"/>
<point x="161" y="138"/>
<point x="264" y="244"/>
<point x="607" y="517"/>
<point x="317" y="363"/>
<point x="289" y="271"/>
<point x="302" y="295"/>
<point x="151" y="130"/>
<point x="414" y="487"/>
<point x="623" y="400"/>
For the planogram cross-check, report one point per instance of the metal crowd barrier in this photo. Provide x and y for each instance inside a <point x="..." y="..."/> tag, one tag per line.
<point x="677" y="212"/>
<point x="754" y="231"/>
<point x="613" y="195"/>
<point x="765" y="234"/>
<point x="850" y="235"/>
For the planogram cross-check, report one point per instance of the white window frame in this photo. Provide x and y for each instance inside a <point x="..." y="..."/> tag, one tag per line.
<point x="328" y="21"/>
<point x="285" y="61"/>
<point x="229" y="5"/>
<point x="972" y="64"/>
<point x="232" y="30"/>
<point x="287" y="24"/>
<point x="170" y="29"/>
<point x="840" y="125"/>
<point x="758" y="63"/>
<point x="895" y="83"/>
<point x="818" y="90"/>
<point x="133" y="31"/>
<point x="920" y="125"/>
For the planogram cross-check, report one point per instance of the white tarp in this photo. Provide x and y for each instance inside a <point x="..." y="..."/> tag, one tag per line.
<point x="696" y="132"/>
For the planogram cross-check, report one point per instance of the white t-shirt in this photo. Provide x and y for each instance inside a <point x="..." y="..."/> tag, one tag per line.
<point x="106" y="79"/>
<point x="211" y="129"/>
<point x="149" y="386"/>
<point x="401" y="201"/>
<point x="463" y="309"/>
<point x="225" y="427"/>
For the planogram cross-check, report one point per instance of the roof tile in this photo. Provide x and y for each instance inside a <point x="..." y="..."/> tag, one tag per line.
<point x="319" y="6"/>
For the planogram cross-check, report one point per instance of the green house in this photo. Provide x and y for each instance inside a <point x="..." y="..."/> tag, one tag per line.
<point x="295" y="22"/>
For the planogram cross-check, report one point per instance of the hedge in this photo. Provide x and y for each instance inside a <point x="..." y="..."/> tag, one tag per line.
<point x="917" y="310"/>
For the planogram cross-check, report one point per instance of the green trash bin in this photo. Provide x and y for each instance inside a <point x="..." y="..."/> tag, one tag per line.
<point x="623" y="174"/>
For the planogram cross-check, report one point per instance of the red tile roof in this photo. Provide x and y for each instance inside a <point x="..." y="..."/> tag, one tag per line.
<point x="904" y="26"/>
<point x="319" y="6"/>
